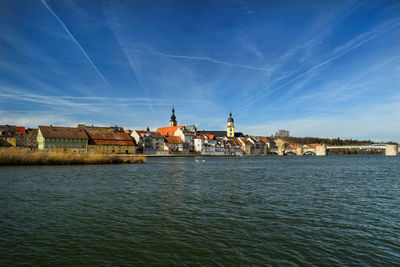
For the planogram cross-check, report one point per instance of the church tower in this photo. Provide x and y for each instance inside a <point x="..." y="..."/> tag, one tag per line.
<point x="230" y="128"/>
<point x="173" y="121"/>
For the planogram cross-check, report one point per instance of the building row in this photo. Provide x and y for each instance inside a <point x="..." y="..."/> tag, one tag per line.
<point x="174" y="139"/>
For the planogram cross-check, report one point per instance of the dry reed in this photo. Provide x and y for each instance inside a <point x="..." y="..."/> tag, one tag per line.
<point x="20" y="156"/>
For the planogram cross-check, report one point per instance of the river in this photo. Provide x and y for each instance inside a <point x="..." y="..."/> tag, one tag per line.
<point x="335" y="210"/>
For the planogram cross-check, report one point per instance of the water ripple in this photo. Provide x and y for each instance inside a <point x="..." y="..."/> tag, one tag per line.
<point x="338" y="210"/>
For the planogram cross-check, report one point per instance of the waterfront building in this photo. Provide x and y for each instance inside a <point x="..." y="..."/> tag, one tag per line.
<point x="51" y="137"/>
<point x="205" y="144"/>
<point x="246" y="145"/>
<point x="260" y="145"/>
<point x="187" y="134"/>
<point x="115" y="141"/>
<point x="148" y="142"/>
<point x="175" y="144"/>
<point x="233" y="146"/>
<point x="12" y="136"/>
<point x="268" y="142"/>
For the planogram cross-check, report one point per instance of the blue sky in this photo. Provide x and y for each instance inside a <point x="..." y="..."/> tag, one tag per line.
<point x="316" y="68"/>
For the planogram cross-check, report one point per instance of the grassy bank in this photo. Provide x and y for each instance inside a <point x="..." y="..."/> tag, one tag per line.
<point x="15" y="156"/>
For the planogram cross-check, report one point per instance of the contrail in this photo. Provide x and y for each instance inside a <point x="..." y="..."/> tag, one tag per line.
<point x="342" y="50"/>
<point x="210" y="60"/>
<point x="73" y="38"/>
<point x="346" y="50"/>
<point x="120" y="43"/>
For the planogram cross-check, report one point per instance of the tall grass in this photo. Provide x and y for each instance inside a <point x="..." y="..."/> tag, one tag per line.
<point x="19" y="156"/>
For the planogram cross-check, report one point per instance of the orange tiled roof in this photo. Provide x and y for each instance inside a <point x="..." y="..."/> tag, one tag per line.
<point x="173" y="139"/>
<point x="168" y="131"/>
<point x="205" y="136"/>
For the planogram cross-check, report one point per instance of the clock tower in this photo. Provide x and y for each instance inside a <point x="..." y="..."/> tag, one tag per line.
<point x="230" y="128"/>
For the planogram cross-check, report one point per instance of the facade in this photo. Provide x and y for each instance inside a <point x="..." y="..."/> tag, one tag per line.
<point x="233" y="146"/>
<point x="205" y="144"/>
<point x="246" y="146"/>
<point x="52" y="137"/>
<point x="187" y="134"/>
<point x="7" y="136"/>
<point x="12" y="136"/>
<point x="260" y="145"/>
<point x="148" y="142"/>
<point x="110" y="142"/>
<point x="175" y="144"/>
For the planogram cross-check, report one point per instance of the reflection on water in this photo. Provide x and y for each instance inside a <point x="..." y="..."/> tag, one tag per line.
<point x="334" y="210"/>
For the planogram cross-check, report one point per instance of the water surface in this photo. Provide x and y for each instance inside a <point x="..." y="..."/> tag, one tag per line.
<point x="335" y="210"/>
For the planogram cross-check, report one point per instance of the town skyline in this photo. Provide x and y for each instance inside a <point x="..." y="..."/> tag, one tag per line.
<point x="323" y="69"/>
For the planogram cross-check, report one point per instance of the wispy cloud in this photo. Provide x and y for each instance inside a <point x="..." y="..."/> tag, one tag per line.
<point x="306" y="47"/>
<point x="75" y="41"/>
<point x="90" y="102"/>
<point x="114" y="26"/>
<point x="337" y="53"/>
<point x="208" y="59"/>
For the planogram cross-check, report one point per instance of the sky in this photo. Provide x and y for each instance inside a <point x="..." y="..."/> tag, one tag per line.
<point x="316" y="68"/>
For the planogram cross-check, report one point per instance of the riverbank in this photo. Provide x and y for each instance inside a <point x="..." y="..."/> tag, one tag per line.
<point x="15" y="156"/>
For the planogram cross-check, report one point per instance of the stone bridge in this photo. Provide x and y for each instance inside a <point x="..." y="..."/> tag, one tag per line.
<point x="390" y="150"/>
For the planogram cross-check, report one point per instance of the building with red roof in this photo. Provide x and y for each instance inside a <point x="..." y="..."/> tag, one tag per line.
<point x="110" y="142"/>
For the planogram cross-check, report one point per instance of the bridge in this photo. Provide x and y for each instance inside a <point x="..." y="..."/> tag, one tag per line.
<point x="365" y="147"/>
<point x="321" y="150"/>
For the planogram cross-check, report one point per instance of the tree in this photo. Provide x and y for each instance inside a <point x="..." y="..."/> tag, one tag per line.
<point x="282" y="133"/>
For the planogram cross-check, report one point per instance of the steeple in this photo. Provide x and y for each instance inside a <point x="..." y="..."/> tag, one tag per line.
<point x="230" y="119"/>
<point x="173" y="121"/>
<point x="230" y="128"/>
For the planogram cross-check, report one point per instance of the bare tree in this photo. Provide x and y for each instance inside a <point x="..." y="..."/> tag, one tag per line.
<point x="282" y="133"/>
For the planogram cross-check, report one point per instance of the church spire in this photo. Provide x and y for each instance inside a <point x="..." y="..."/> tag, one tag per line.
<point x="230" y="128"/>
<point x="173" y="121"/>
<point x="230" y="119"/>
